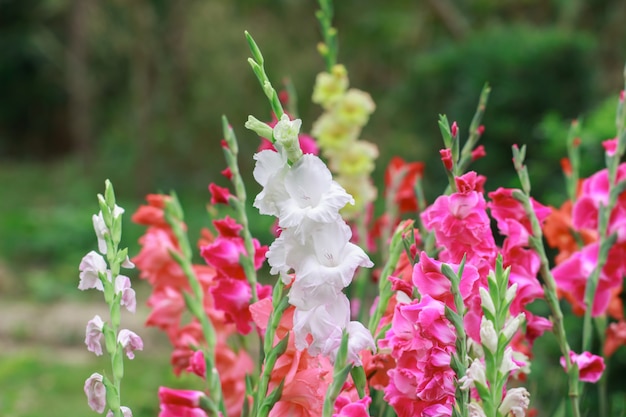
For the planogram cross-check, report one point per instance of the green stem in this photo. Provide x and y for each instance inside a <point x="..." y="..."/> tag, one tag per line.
<point x="195" y="301"/>
<point x="551" y="295"/>
<point x="384" y="285"/>
<point x="239" y="204"/>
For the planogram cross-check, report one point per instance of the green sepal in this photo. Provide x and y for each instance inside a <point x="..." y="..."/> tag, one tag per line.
<point x="342" y="353"/>
<point x="444" y="127"/>
<point x="254" y="48"/>
<point x="208" y="405"/>
<point x="117" y="360"/>
<point x="258" y="71"/>
<point x="106" y="211"/>
<point x="109" y="195"/>
<point x="229" y="136"/>
<point x="116" y="230"/>
<point x="269" y="401"/>
<point x="192" y="304"/>
<point x="112" y="396"/>
<point x="360" y="380"/>
<point x="110" y="338"/>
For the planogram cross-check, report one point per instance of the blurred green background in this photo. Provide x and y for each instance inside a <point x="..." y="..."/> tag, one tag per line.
<point x="134" y="90"/>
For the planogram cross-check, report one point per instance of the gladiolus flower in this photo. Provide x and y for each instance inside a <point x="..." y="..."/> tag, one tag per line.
<point x="130" y="342"/>
<point x="96" y="392"/>
<point x="93" y="335"/>
<point x="90" y="266"/>
<point x="590" y="366"/>
<point x="219" y="195"/>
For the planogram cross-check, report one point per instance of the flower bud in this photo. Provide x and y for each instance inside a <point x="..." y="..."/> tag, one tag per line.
<point x="286" y="134"/>
<point x="488" y="336"/>
<point x="515" y="402"/>
<point x="487" y="302"/>
<point x="512" y="325"/>
<point x="258" y="127"/>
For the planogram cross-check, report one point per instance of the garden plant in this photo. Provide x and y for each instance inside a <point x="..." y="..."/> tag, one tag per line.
<point x="369" y="302"/>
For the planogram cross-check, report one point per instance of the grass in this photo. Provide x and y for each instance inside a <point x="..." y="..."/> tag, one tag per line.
<point x="36" y="384"/>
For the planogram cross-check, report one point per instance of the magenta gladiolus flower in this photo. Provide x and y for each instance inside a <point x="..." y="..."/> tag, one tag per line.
<point x="345" y="408"/>
<point x="590" y="366"/>
<point x="177" y="403"/>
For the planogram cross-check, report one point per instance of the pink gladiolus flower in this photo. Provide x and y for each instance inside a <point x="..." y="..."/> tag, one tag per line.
<point x="571" y="276"/>
<point x="615" y="337"/>
<point x="152" y="214"/>
<point x="93" y="335"/>
<point x="232" y="296"/>
<point x="122" y="285"/>
<point x="421" y="341"/>
<point x="91" y="264"/>
<point x="460" y="222"/>
<point x="590" y="366"/>
<point x="197" y="364"/>
<point x="224" y="252"/>
<point x="130" y="342"/>
<point x="177" y="403"/>
<point x="511" y="217"/>
<point x="96" y="392"/>
<point x="427" y="277"/>
<point x="345" y="408"/>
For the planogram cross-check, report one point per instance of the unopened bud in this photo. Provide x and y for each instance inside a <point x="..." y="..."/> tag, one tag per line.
<point x="486" y="300"/>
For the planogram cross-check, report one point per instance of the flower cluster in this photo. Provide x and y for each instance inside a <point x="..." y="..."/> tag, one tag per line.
<point x="103" y="275"/>
<point x="451" y="332"/>
<point x="346" y="111"/>
<point x="313" y="252"/>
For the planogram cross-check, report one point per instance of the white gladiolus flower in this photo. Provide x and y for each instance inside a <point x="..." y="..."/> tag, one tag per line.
<point x="269" y="171"/>
<point x="322" y="323"/>
<point x="313" y="196"/>
<point x="328" y="258"/>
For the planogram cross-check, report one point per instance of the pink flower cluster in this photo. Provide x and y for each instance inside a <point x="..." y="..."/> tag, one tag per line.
<point x="226" y="300"/>
<point x="421" y="340"/>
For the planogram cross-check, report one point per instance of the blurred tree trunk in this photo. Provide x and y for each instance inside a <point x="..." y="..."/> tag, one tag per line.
<point x="141" y="63"/>
<point x="78" y="82"/>
<point x="179" y="62"/>
<point x="451" y="17"/>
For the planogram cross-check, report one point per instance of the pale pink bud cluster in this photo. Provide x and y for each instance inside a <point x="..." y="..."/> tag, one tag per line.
<point x="314" y="246"/>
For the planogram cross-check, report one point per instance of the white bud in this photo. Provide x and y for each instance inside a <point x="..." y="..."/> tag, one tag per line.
<point x="516" y="402"/>
<point x="475" y="410"/>
<point x="488" y="336"/>
<point x="260" y="128"/>
<point x="512" y="325"/>
<point x="475" y="374"/>
<point x="486" y="300"/>
<point x="508" y="365"/>
<point x="510" y="293"/>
